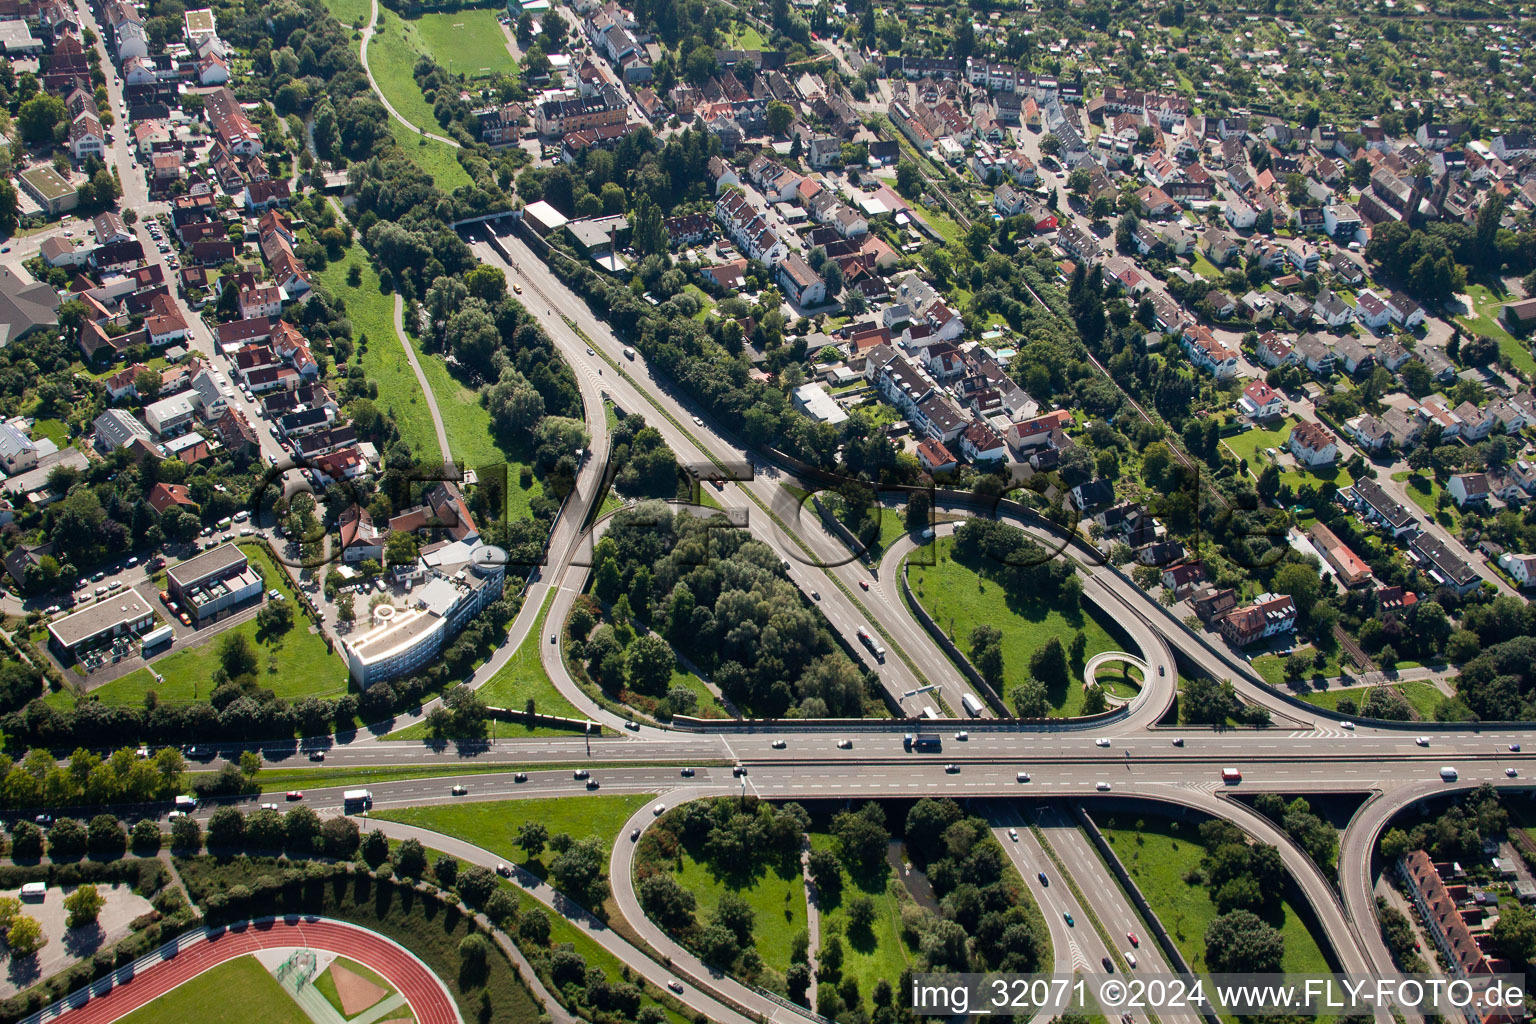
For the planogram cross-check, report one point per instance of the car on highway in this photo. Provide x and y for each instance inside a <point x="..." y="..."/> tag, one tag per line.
<point x="1348" y="725"/>
<point x="1178" y="741"/>
<point x="1101" y="742"/>
<point x="1023" y="776"/>
<point x="460" y="790"/>
<point x="698" y="422"/>
<point x="687" y="773"/>
<point x="1013" y="834"/>
<point x="581" y="773"/>
<point x="1422" y="741"/>
<point x="503" y="871"/>
<point x="951" y="768"/>
<point x="816" y="595"/>
<point x="590" y="352"/>
<point x="591" y="783"/>
<point x="317" y="755"/>
<point x="632" y="725"/>
<point x="1070" y="923"/>
<point x="1131" y="936"/>
<point x="864" y="584"/>
<point x="1109" y="965"/>
<point x="1510" y="772"/>
<point x="1514" y="748"/>
<point x="295" y="794"/>
<point x="1102" y="787"/>
<point x="659" y="810"/>
<point x="737" y="771"/>
<point x="779" y="744"/>
<point x="520" y="777"/>
<point x="1043" y="880"/>
<point x="675" y="985"/>
<point x="845" y="744"/>
<point x="962" y="735"/>
<point x="269" y="807"/>
<point x="517" y="288"/>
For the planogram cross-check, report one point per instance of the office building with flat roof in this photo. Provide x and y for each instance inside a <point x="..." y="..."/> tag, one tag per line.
<point x="213" y="582"/>
<point x="115" y="615"/>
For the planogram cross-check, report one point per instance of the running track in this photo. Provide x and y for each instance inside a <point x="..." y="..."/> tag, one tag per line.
<point x="426" y="995"/>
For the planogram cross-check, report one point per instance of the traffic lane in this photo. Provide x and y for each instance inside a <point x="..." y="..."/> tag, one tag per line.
<point x="1200" y="756"/>
<point x="1077" y="946"/>
<point x="1109" y="900"/>
<point x="488" y="787"/>
<point x="1057" y="779"/>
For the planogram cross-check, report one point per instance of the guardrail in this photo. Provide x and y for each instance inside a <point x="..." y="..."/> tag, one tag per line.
<point x="748" y="726"/>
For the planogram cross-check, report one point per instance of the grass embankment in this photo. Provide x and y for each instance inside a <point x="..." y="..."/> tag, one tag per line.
<point x="524" y="678"/>
<point x="1487" y="309"/>
<point x="293" y="664"/>
<point x="206" y="999"/>
<point x="960" y="599"/>
<point x="880" y="952"/>
<point x="381" y="357"/>
<point x="776" y="894"/>
<point x="1159" y="853"/>
<point x="493" y="826"/>
<point x="1423" y="697"/>
<point x="467" y="42"/>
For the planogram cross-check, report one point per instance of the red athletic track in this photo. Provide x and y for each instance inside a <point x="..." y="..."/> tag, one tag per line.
<point x="429" y="1001"/>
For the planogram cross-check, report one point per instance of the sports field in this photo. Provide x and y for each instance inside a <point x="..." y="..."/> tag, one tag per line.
<point x="206" y="999"/>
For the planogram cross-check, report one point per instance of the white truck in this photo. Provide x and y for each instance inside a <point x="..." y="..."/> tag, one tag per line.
<point x="875" y="647"/>
<point x="354" y="800"/>
<point x="973" y="706"/>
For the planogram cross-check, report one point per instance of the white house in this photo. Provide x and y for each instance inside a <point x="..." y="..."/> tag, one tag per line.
<point x="1521" y="568"/>
<point x="1261" y="402"/>
<point x="1239" y="214"/>
<point x="1371" y="310"/>
<point x="1468" y="489"/>
<point x="1313" y="445"/>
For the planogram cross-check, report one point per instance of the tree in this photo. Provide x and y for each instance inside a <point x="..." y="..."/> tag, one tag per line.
<point x="26" y="936"/>
<point x="1030" y="700"/>
<point x="1239" y="942"/>
<point x="67" y="839"/>
<point x="532" y="837"/>
<point x="237" y="655"/>
<point x="735" y="914"/>
<point x="410" y="859"/>
<point x="1048" y="665"/>
<point x="861" y="914"/>
<point x="145" y="838"/>
<point x="83" y="905"/>
<point x="579" y="872"/>
<point x="39" y="115"/>
<point x="186" y="835"/>
<point x="1515" y="933"/>
<point x="105" y="837"/>
<point x="648" y="664"/>
<point x="826" y="872"/>
<point x="919" y="511"/>
<point x="780" y="117"/>
<point x="475" y="885"/>
<point x="666" y="901"/>
<point x="1300" y="581"/>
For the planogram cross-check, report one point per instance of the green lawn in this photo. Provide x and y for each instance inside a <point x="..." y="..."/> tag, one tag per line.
<point x="206" y="999"/>
<point x="295" y="664"/>
<point x="523" y="677"/>
<point x="744" y="37"/>
<point x="1424" y="491"/>
<point x="942" y="223"/>
<point x="777" y="899"/>
<point x="1488" y="306"/>
<point x="378" y="350"/>
<point x="709" y="704"/>
<point x="1424" y="697"/>
<point x="468" y="424"/>
<point x="1271" y="667"/>
<point x="881" y="953"/>
<point x="1250" y="444"/>
<point x="56" y="431"/>
<point x="1204" y="267"/>
<point x="391" y="58"/>
<point x="326" y="985"/>
<point x="1159" y="852"/>
<point x="493" y="826"/>
<point x="465" y="42"/>
<point x="349" y="12"/>
<point x="438" y="159"/>
<point x="959" y="599"/>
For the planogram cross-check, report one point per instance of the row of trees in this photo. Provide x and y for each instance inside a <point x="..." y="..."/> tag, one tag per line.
<point x="123" y="777"/>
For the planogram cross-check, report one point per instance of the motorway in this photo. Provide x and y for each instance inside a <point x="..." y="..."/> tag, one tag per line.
<point x="1129" y="756"/>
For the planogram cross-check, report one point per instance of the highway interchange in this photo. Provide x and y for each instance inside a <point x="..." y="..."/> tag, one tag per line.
<point x="1304" y="751"/>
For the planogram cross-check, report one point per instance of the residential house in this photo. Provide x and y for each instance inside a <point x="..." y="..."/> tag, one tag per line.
<point x="1313" y="445"/>
<point x="1259" y="401"/>
<point x="1269" y="615"/>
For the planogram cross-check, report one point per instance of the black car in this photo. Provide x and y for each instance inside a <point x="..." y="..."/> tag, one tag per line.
<point x="317" y="755"/>
<point x="1043" y="880"/>
<point x="591" y="783"/>
<point x="739" y="770"/>
<point x="1108" y="964"/>
<point x="520" y="777"/>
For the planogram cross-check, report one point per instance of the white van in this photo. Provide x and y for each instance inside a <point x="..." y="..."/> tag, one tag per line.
<point x="1448" y="774"/>
<point x="1130" y="958"/>
<point x="34" y="891"/>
